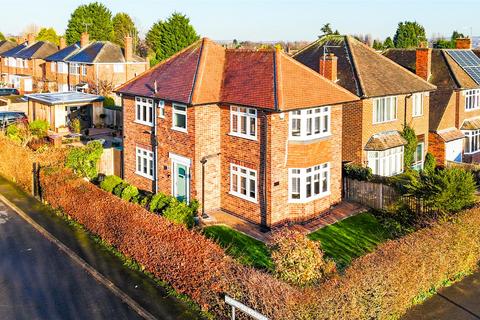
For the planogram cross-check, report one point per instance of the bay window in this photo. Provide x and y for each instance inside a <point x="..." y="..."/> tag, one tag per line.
<point x="417" y="104"/>
<point x="309" y="123"/>
<point x="144" y="163"/>
<point x="384" y="109"/>
<point x="144" y="111"/>
<point x="418" y="157"/>
<point x="243" y="182"/>
<point x="386" y="163"/>
<point x="472" y="99"/>
<point x="472" y="141"/>
<point x="243" y="122"/>
<point x="179" y="118"/>
<point x="307" y="184"/>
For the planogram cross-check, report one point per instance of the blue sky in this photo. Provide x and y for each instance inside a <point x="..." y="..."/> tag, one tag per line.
<point x="264" y="19"/>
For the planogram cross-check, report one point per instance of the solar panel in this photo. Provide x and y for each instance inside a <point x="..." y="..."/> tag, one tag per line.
<point x="468" y="61"/>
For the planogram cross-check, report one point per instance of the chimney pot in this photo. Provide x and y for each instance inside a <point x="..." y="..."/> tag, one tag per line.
<point x="423" y="62"/>
<point x="63" y="43"/>
<point x="84" y="39"/>
<point x="328" y="66"/>
<point x="30" y="38"/>
<point x="128" y="48"/>
<point x="463" y="43"/>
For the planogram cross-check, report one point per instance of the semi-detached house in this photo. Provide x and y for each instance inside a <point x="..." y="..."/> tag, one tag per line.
<point x="455" y="105"/>
<point x="252" y="133"/>
<point x="391" y="97"/>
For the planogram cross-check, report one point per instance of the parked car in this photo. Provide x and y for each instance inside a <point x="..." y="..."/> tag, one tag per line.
<point x="9" y="117"/>
<point x="8" y="92"/>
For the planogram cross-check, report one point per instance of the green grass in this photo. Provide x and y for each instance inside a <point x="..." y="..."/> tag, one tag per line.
<point x="245" y="249"/>
<point x="350" y="238"/>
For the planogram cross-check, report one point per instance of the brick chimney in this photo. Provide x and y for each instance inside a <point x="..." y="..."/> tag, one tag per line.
<point x="128" y="48"/>
<point x="20" y="39"/>
<point x="84" y="39"/>
<point x="30" y="39"/>
<point x="463" y="43"/>
<point x="423" y="62"/>
<point x="63" y="43"/>
<point x="328" y="66"/>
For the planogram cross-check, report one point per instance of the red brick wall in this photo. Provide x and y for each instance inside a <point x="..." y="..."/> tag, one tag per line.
<point x="352" y="147"/>
<point x="423" y="62"/>
<point x="436" y="146"/>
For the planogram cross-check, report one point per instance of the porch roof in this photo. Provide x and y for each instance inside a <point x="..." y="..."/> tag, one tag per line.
<point x="471" y="124"/>
<point x="384" y="141"/>
<point x="451" y="134"/>
<point x="64" y="97"/>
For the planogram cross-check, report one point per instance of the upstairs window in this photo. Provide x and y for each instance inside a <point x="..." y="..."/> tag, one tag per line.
<point x="83" y="69"/>
<point x="53" y="67"/>
<point x="25" y="63"/>
<point x="309" y="123"/>
<point x="19" y="63"/>
<point x="243" y="122"/>
<point x="307" y="184"/>
<point x="243" y="182"/>
<point x="472" y="99"/>
<point x="12" y="62"/>
<point x="74" y="69"/>
<point x="417" y="104"/>
<point x="62" y="67"/>
<point x="384" y="109"/>
<point x="161" y="108"/>
<point x="144" y="111"/>
<point x="179" y="118"/>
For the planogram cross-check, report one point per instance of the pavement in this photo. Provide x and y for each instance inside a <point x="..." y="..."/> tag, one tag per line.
<point x="40" y="280"/>
<point x="460" y="301"/>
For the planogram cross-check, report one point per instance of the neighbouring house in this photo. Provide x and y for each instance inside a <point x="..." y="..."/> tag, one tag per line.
<point x="60" y="108"/>
<point x="391" y="97"/>
<point x="252" y="133"/>
<point x="4" y="46"/>
<point x="455" y="105"/>
<point x="95" y="67"/>
<point x="22" y="66"/>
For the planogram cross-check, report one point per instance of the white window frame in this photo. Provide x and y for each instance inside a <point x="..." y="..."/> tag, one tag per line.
<point x="472" y="141"/>
<point x="381" y="161"/>
<point x="12" y="62"/>
<point x="62" y="67"/>
<point x="19" y="63"/>
<point x="243" y="115"/>
<point x="161" y="108"/>
<point x="308" y="124"/>
<point x="144" y="113"/>
<point x="25" y="63"/>
<point x="418" y="163"/>
<point x="384" y="109"/>
<point x="83" y="69"/>
<point x="299" y="180"/>
<point x="144" y="162"/>
<point x="74" y="69"/>
<point x="53" y="66"/>
<point x="417" y="104"/>
<point x="179" y="112"/>
<point x="472" y="100"/>
<point x="237" y="173"/>
<point x="118" y="68"/>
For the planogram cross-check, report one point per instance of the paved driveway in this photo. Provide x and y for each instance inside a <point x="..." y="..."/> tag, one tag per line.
<point x="38" y="281"/>
<point x="460" y="301"/>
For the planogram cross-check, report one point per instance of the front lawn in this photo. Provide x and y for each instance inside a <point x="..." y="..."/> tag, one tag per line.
<point x="350" y="238"/>
<point x="247" y="250"/>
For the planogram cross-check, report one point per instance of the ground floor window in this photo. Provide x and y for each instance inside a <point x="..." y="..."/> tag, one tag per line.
<point x="243" y="182"/>
<point x="386" y="163"/>
<point x="306" y="184"/>
<point x="418" y="157"/>
<point x="472" y="141"/>
<point x="144" y="163"/>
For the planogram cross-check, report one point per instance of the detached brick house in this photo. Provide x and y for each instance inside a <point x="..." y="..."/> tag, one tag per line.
<point x="455" y="105"/>
<point x="93" y="66"/>
<point x="22" y="66"/>
<point x="253" y="133"/>
<point x="391" y="97"/>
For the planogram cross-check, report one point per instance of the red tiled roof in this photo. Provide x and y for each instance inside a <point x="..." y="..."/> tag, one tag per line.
<point x="208" y="73"/>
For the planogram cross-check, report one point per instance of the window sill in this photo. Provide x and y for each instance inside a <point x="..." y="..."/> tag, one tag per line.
<point x="242" y="197"/>
<point x="417" y="116"/>
<point x="179" y="129"/>
<point x="309" y="140"/>
<point x="233" y="134"/>
<point x="320" y="196"/>
<point x="471" y="153"/>
<point x="143" y="123"/>
<point x="144" y="175"/>
<point x="383" y="122"/>
<point x="471" y="110"/>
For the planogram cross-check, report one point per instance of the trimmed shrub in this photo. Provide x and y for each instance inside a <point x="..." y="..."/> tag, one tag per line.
<point x="110" y="182"/>
<point x="357" y="172"/>
<point x="76" y="125"/>
<point x="129" y="192"/>
<point x="84" y="160"/>
<point x="119" y="188"/>
<point x="159" y="202"/>
<point x="430" y="164"/>
<point x="299" y="260"/>
<point x="179" y="212"/>
<point x="145" y="199"/>
<point x="409" y="149"/>
<point x="39" y="128"/>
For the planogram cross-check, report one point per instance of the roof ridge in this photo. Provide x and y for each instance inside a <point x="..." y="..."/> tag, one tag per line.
<point x="278" y="79"/>
<point x="306" y="47"/>
<point x="450" y="71"/>
<point x="354" y="66"/>
<point x="199" y="69"/>
<point x="158" y="65"/>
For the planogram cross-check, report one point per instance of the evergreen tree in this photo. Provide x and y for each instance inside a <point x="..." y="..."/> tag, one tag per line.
<point x="2" y="37"/>
<point x="377" y="45"/>
<point x="456" y="35"/>
<point x="409" y="35"/>
<point x="388" y="43"/>
<point x="327" y="30"/>
<point x="48" y="34"/>
<point x="168" y="37"/>
<point x="94" y="18"/>
<point x="123" y="25"/>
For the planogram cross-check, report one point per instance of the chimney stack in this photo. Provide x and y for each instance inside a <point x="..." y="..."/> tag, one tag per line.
<point x="128" y="48"/>
<point x="63" y="43"/>
<point x="20" y="39"/>
<point x="30" y="39"/>
<point x="463" y="43"/>
<point x="84" y="39"/>
<point x="423" y="62"/>
<point x="328" y="66"/>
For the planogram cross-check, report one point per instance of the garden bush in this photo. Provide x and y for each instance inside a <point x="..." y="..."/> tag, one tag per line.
<point x="110" y="182"/>
<point x="119" y="189"/>
<point x="84" y="160"/>
<point x="179" y="212"/>
<point x="430" y="164"/>
<point x="159" y="202"/>
<point x="129" y="193"/>
<point x="39" y="128"/>
<point x="357" y="172"/>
